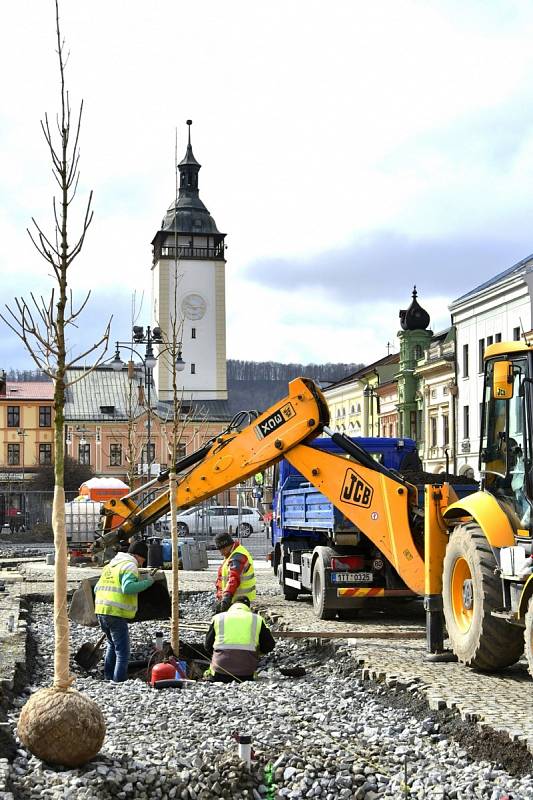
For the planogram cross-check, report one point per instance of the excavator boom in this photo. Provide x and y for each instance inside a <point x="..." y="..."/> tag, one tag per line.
<point x="232" y="457"/>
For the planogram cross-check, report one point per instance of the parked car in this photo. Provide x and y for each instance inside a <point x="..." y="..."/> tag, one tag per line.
<point x="215" y="519"/>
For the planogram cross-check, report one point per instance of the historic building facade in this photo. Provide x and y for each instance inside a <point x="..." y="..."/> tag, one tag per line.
<point x="188" y="287"/>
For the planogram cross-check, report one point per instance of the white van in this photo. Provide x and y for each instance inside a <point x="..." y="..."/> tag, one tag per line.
<point x="215" y="519"/>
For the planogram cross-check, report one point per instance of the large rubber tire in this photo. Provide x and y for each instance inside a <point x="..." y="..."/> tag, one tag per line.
<point x="182" y="528"/>
<point x="289" y="592"/>
<point x="318" y="588"/>
<point x="528" y="636"/>
<point x="471" y="590"/>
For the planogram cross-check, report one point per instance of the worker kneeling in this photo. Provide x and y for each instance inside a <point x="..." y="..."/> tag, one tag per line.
<point x="236" y="639"/>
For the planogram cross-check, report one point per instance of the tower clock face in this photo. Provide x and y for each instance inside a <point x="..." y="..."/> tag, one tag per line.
<point x="193" y="306"/>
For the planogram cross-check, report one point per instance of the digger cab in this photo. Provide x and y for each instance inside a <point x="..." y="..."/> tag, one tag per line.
<point x="153" y="603"/>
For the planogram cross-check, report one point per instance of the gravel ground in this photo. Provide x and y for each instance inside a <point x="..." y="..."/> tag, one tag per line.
<point x="327" y="734"/>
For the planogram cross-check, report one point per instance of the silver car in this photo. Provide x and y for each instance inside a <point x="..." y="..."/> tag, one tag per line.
<point x="215" y="519"/>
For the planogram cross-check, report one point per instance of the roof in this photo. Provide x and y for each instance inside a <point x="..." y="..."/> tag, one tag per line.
<point x="29" y="390"/>
<point x="103" y="395"/>
<point x="517" y="268"/>
<point x="392" y="358"/>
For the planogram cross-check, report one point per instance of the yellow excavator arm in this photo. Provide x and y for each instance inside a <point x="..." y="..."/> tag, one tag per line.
<point x="229" y="459"/>
<point x="375" y="499"/>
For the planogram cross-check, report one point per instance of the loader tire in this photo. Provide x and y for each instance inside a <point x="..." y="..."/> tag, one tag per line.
<point x="528" y="636"/>
<point x="318" y="587"/>
<point x="471" y="591"/>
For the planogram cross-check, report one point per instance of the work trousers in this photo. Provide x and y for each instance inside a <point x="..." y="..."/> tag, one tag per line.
<point x="118" y="647"/>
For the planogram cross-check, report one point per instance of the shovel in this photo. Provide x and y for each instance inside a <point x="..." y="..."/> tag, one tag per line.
<point x="89" y="654"/>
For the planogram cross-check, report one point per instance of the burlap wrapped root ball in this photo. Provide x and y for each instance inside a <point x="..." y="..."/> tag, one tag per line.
<point x="61" y="727"/>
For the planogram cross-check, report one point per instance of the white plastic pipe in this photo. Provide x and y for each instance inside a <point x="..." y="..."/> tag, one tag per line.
<point x="245" y="749"/>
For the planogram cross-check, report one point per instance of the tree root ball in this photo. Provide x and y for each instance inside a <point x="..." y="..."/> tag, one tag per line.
<point x="61" y="727"/>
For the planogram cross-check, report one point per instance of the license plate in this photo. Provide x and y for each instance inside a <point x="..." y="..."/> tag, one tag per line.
<point x="352" y="577"/>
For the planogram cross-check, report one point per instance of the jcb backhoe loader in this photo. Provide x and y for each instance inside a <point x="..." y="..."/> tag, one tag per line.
<point x="470" y="559"/>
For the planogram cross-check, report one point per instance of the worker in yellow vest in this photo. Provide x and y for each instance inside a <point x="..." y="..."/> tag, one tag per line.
<point x="116" y="603"/>
<point x="236" y="577"/>
<point x="235" y="641"/>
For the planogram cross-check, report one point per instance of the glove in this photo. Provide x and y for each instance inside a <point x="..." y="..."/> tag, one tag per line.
<point x="225" y="603"/>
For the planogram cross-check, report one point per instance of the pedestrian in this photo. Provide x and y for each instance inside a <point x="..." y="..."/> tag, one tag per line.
<point x="116" y="603"/>
<point x="236" y="578"/>
<point x="235" y="641"/>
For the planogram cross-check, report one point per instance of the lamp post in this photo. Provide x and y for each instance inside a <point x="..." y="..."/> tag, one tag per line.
<point x="22" y="433"/>
<point x="149" y="337"/>
<point x="369" y="393"/>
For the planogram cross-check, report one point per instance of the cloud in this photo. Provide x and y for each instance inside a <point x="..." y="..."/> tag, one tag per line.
<point x="388" y="264"/>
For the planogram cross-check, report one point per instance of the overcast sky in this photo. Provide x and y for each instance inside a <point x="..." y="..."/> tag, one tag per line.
<point x="350" y="149"/>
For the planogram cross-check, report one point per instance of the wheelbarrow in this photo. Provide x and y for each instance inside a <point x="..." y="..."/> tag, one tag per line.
<point x="153" y="603"/>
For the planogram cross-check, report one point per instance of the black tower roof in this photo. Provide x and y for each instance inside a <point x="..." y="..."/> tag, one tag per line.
<point x="189" y="214"/>
<point x="415" y="318"/>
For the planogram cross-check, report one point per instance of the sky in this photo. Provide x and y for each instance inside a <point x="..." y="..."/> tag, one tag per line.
<point x="350" y="150"/>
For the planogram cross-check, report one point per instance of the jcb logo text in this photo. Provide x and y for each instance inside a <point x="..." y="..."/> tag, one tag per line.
<point x="355" y="490"/>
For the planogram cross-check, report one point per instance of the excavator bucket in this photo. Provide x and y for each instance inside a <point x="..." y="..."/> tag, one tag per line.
<point x="153" y="603"/>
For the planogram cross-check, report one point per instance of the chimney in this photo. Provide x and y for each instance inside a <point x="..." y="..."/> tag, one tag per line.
<point x="3" y="383"/>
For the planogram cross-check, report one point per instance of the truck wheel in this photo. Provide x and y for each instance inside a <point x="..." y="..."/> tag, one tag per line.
<point x="319" y="592"/>
<point x="471" y="590"/>
<point x="528" y="636"/>
<point x="289" y="592"/>
<point x="183" y="529"/>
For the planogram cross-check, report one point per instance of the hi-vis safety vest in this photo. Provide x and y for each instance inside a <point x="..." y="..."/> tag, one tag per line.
<point x="246" y="587"/>
<point x="109" y="597"/>
<point x="237" y="629"/>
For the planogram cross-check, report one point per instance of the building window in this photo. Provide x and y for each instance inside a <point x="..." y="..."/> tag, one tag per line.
<point x="516" y="334"/>
<point x="445" y="390"/>
<point x="13" y="416"/>
<point x="481" y="350"/>
<point x="115" y="455"/>
<point x="45" y="454"/>
<point x="445" y="430"/>
<point x="13" y="454"/>
<point x="193" y="369"/>
<point x="465" y="361"/>
<point x="433" y="393"/>
<point x="466" y="422"/>
<point x="490" y="340"/>
<point x="412" y="424"/>
<point x="433" y="440"/>
<point x="84" y="453"/>
<point x="45" y="416"/>
<point x="148" y="453"/>
<point x="498" y="338"/>
<point x="181" y="450"/>
<point x="193" y="333"/>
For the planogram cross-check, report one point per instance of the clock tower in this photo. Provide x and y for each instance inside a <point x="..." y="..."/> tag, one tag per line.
<point x="188" y="284"/>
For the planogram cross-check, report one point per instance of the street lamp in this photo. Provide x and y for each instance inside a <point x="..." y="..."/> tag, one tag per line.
<point x="149" y="338"/>
<point x="369" y="393"/>
<point x="22" y="433"/>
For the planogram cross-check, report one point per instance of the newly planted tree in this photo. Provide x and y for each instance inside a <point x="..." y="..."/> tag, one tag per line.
<point x="59" y="724"/>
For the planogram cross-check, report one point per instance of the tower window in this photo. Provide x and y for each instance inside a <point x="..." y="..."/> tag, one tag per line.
<point x="193" y="333"/>
<point x="193" y="369"/>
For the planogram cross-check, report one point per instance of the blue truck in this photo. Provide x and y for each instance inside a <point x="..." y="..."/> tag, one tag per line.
<point x="305" y="523"/>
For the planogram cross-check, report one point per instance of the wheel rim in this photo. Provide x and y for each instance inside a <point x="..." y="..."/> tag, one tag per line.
<point x="462" y="597"/>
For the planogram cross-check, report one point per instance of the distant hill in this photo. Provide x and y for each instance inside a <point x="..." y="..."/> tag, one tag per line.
<point x="259" y="384"/>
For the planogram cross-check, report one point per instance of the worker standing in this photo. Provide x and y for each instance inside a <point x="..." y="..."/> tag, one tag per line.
<point x="236" y="577"/>
<point x="235" y="641"/>
<point x="116" y="603"/>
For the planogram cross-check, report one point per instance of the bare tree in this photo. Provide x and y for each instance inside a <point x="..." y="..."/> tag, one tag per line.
<point x="42" y="324"/>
